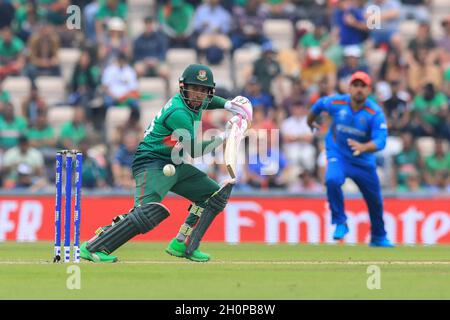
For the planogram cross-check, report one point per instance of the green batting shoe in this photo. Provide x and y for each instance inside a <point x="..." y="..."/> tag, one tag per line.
<point x="199" y="256"/>
<point x="95" y="256"/>
<point x="178" y="249"/>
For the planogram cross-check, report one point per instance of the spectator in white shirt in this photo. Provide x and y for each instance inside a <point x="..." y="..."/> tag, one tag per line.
<point x="212" y="23"/>
<point x="120" y="84"/>
<point x="298" y="138"/>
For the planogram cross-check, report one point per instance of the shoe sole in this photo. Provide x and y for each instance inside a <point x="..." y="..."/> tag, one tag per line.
<point x="178" y="255"/>
<point x="196" y="260"/>
<point x="175" y="254"/>
<point x="340" y="238"/>
<point x="91" y="259"/>
<point x="378" y="246"/>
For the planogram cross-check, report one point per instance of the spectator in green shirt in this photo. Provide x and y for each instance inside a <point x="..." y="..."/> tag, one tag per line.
<point x="412" y="183"/>
<point x="85" y="79"/>
<point x="315" y="38"/>
<point x="27" y="17"/>
<point x="175" y="18"/>
<point x="437" y="163"/>
<point x="280" y="9"/>
<point x="267" y="69"/>
<point x="11" y="126"/>
<point x="445" y="129"/>
<point x="4" y="96"/>
<point x="41" y="135"/>
<point x="446" y="84"/>
<point x="72" y="132"/>
<point x="12" y="58"/>
<point x="106" y="10"/>
<point x="405" y="162"/>
<point x="432" y="107"/>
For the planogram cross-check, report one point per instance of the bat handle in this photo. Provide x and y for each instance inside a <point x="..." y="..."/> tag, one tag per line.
<point x="240" y="120"/>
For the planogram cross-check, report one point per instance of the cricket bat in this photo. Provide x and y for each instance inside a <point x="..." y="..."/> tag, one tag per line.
<point x="232" y="149"/>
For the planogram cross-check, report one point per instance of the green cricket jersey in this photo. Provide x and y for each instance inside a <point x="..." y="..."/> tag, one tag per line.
<point x="157" y="145"/>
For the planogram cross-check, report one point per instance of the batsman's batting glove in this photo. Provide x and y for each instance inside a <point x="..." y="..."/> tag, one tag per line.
<point x="235" y="119"/>
<point x="242" y="106"/>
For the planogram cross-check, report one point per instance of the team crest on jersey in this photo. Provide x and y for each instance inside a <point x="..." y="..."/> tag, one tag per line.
<point x="202" y="75"/>
<point x="342" y="113"/>
<point x="362" y="121"/>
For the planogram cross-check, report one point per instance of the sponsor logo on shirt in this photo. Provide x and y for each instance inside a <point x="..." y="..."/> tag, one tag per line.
<point x="350" y="130"/>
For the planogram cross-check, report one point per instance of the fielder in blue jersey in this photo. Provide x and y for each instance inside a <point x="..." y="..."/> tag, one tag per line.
<point x="358" y="129"/>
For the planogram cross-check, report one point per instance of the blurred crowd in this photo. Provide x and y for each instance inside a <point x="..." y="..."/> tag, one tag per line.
<point x="331" y="40"/>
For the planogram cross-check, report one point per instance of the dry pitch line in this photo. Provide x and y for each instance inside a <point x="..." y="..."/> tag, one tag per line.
<point x="221" y="262"/>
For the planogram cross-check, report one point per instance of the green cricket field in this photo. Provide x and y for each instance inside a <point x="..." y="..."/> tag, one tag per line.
<point x="243" y="271"/>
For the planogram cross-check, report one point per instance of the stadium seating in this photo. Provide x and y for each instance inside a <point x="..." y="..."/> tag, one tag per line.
<point x="280" y="32"/>
<point x="375" y="58"/>
<point x="426" y="146"/>
<point x="230" y="74"/>
<point x="178" y="59"/>
<point x="19" y="88"/>
<point x="222" y="74"/>
<point x="68" y="58"/>
<point x="408" y="29"/>
<point x="154" y="86"/>
<point x="115" y="116"/>
<point x="243" y="63"/>
<point x="147" y="116"/>
<point x="59" y="115"/>
<point x="52" y="88"/>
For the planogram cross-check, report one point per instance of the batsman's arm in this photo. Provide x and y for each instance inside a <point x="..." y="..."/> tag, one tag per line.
<point x="207" y="146"/>
<point x="217" y="103"/>
<point x="199" y="148"/>
<point x="183" y="129"/>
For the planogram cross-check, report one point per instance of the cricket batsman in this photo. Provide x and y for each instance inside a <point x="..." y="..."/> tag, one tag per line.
<point x="160" y="143"/>
<point x="358" y="129"/>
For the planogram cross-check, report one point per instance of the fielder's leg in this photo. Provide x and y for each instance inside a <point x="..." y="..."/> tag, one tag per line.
<point x="334" y="179"/>
<point x="369" y="184"/>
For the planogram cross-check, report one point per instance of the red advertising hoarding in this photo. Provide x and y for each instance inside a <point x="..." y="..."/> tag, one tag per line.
<point x="245" y="219"/>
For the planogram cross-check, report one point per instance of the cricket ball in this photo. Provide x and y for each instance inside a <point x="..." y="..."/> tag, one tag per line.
<point x="169" y="170"/>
